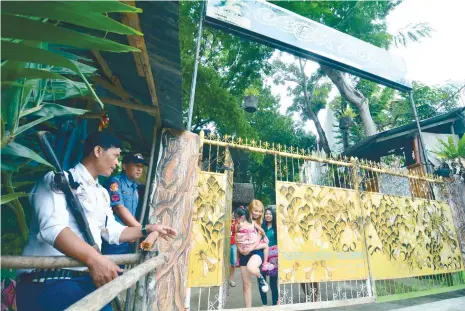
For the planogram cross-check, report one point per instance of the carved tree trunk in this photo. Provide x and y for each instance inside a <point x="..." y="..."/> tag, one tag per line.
<point x="172" y="204"/>
<point x="353" y="96"/>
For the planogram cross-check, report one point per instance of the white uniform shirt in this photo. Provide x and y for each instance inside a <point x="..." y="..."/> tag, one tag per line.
<point x="51" y="214"/>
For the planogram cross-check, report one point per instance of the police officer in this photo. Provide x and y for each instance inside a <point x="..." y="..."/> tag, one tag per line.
<point x="54" y="232"/>
<point x="124" y="198"/>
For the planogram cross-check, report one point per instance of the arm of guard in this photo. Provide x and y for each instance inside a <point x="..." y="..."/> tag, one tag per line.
<point x="125" y="215"/>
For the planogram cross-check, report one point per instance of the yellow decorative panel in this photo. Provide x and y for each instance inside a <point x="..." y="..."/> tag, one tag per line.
<point x="319" y="234"/>
<point x="210" y="220"/>
<point x="408" y="237"/>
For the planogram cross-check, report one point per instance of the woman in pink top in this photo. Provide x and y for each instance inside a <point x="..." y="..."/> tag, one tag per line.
<point x="250" y="249"/>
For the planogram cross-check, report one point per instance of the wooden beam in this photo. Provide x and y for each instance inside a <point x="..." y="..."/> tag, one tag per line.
<point x="132" y="19"/>
<point x="90" y="115"/>
<point x="105" y="68"/>
<point x="129" y="20"/>
<point x="116" y="88"/>
<point x="125" y="104"/>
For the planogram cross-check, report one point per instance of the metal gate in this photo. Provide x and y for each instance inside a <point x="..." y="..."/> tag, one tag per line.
<point x="349" y="231"/>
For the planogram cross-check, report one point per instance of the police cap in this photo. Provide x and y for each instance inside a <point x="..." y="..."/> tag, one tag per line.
<point x="134" y="158"/>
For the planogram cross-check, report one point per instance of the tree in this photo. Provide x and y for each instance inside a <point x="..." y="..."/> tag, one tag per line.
<point x="228" y="66"/>
<point x="269" y="125"/>
<point x="413" y="33"/>
<point x="308" y="96"/>
<point x="365" y="20"/>
<point x="355" y="97"/>
<point x="391" y="108"/>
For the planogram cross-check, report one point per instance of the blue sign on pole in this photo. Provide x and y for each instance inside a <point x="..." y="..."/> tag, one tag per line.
<point x="269" y="24"/>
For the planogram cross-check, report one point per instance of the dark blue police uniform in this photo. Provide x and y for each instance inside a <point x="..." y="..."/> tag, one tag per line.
<point x="123" y="191"/>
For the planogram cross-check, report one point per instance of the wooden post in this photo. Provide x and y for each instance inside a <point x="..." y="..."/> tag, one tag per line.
<point x="172" y="204"/>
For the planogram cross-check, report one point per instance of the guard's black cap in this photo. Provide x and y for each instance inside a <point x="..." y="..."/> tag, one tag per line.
<point x="134" y="158"/>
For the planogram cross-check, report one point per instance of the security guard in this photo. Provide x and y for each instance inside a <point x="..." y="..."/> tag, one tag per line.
<point x="55" y="232"/>
<point x="124" y="198"/>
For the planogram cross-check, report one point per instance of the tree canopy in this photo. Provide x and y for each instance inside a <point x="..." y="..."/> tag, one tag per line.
<point x="230" y="65"/>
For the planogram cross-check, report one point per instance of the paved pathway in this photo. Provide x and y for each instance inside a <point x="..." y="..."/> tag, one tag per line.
<point x="450" y="301"/>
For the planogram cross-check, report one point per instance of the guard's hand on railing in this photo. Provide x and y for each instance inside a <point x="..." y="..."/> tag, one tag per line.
<point x="102" y="270"/>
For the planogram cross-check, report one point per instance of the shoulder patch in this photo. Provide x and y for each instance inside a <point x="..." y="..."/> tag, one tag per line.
<point x="114" y="187"/>
<point x="114" y="198"/>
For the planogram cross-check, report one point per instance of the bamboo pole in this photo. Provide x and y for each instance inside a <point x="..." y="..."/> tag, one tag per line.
<point x="43" y="262"/>
<point x="105" y="294"/>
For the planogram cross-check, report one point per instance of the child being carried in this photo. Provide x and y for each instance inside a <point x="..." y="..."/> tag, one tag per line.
<point x="247" y="235"/>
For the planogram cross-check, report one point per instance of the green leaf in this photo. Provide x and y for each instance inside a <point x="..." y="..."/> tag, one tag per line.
<point x="60" y="89"/>
<point x="21" y="184"/>
<point x="12" y="196"/>
<point x="68" y="13"/>
<point x="58" y="110"/>
<point x="17" y="150"/>
<point x="68" y="55"/>
<point x="75" y="59"/>
<point x="25" y="53"/>
<point x="104" y="6"/>
<point x="29" y="125"/>
<point x="10" y="111"/>
<point x="29" y="73"/>
<point x="461" y="147"/>
<point x="8" y="167"/>
<point x="63" y="89"/>
<point x="28" y="29"/>
<point x="14" y="165"/>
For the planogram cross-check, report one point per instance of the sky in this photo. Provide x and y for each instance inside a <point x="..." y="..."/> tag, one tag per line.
<point x="434" y="61"/>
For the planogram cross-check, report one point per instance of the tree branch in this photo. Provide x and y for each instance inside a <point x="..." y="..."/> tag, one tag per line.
<point x="354" y="96"/>
<point x="311" y="114"/>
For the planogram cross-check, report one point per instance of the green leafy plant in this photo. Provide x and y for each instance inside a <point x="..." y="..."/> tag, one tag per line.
<point x="38" y="69"/>
<point x="449" y="150"/>
<point x="349" y="113"/>
<point x="251" y="91"/>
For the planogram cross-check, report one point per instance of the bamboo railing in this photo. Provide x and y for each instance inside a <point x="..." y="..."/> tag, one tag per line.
<point x="51" y="262"/>
<point x="105" y="294"/>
